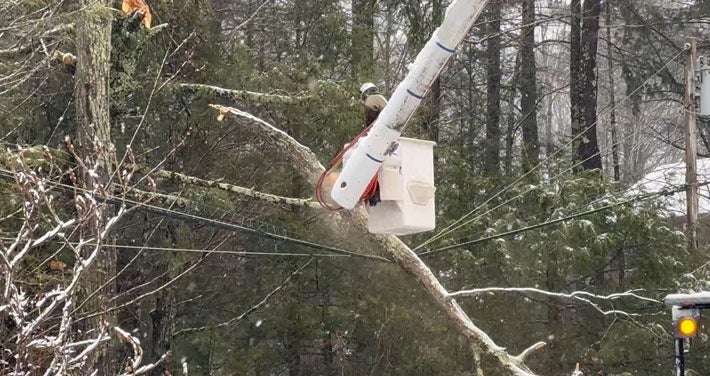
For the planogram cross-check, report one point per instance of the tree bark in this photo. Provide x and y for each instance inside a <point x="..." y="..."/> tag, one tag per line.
<point x="588" y="152"/>
<point x="528" y="89"/>
<point x="491" y="164"/>
<point x="93" y="135"/>
<point x="511" y="124"/>
<point x="575" y="56"/>
<point x="612" y="99"/>
<point x="363" y="37"/>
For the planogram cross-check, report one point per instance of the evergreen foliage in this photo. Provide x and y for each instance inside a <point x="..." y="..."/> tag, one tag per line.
<point x="248" y="308"/>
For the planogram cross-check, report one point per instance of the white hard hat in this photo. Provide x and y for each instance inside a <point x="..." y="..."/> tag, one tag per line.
<point x="367" y="86"/>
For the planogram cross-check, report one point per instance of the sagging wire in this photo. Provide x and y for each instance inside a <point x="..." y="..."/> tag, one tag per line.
<point x="463" y="220"/>
<point x="175" y="214"/>
<point x="641" y="197"/>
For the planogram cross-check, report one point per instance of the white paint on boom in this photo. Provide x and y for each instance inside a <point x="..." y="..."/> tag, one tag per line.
<point x="381" y="140"/>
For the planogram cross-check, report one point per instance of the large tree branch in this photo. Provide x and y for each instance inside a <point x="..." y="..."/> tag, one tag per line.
<point x="43" y="157"/>
<point x="248" y="192"/>
<point x="244" y="95"/>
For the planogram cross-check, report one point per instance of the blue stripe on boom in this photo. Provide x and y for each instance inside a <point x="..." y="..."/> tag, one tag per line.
<point x="373" y="158"/>
<point x="415" y="95"/>
<point x="447" y="49"/>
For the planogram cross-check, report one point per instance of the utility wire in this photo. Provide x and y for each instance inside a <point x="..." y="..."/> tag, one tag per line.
<point x="457" y="224"/>
<point x="562" y="173"/>
<point x="9" y="176"/>
<point x="197" y="250"/>
<point x="646" y="196"/>
<point x="449" y="229"/>
<point x="521" y="194"/>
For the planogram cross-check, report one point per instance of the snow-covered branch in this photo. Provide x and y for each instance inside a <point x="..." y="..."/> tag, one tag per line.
<point x="248" y="192"/>
<point x="582" y="296"/>
<point x="135" y="368"/>
<point x="244" y="95"/>
<point x="44" y="337"/>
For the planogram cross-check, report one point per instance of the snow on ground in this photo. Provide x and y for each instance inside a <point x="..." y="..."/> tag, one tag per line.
<point x="672" y="176"/>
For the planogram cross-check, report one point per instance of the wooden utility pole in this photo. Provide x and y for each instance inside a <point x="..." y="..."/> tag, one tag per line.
<point x="93" y="141"/>
<point x="691" y="172"/>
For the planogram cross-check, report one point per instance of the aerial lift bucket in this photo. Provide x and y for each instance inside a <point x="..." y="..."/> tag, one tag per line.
<point x="407" y="190"/>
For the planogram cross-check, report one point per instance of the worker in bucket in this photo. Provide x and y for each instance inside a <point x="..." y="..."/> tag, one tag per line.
<point x="373" y="103"/>
<point x="372" y="99"/>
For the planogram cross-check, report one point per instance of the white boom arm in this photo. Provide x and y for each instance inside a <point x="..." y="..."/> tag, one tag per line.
<point x="380" y="142"/>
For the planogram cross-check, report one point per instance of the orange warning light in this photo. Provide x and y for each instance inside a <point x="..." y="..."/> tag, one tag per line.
<point x="688" y="327"/>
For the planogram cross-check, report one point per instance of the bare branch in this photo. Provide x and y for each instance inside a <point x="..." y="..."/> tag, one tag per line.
<point x="245" y="22"/>
<point x="582" y="296"/>
<point x="93" y="345"/>
<point x="135" y="366"/>
<point x="522" y="357"/>
<point x="135" y="344"/>
<point x="143" y="296"/>
<point x="11" y="52"/>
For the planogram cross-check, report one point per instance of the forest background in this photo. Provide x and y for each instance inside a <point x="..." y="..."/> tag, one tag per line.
<point x="157" y="211"/>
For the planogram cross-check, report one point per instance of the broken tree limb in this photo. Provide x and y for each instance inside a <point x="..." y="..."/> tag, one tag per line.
<point x="308" y="165"/>
<point x="411" y="263"/>
<point x="44" y="157"/>
<point x="244" y="95"/>
<point x="248" y="192"/>
<point x="286" y="143"/>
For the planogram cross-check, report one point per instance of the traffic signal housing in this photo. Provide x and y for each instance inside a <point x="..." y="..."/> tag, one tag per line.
<point x="685" y="322"/>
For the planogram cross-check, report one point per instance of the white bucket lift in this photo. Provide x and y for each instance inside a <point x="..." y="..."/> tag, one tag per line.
<point x="368" y="157"/>
<point x="407" y="190"/>
<point x="406" y="181"/>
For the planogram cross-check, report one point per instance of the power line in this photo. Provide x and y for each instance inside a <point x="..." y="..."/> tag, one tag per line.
<point x="8" y="175"/>
<point x="197" y="250"/>
<point x="234" y="227"/>
<point x="457" y="225"/>
<point x="646" y="196"/>
<point x="521" y="194"/>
